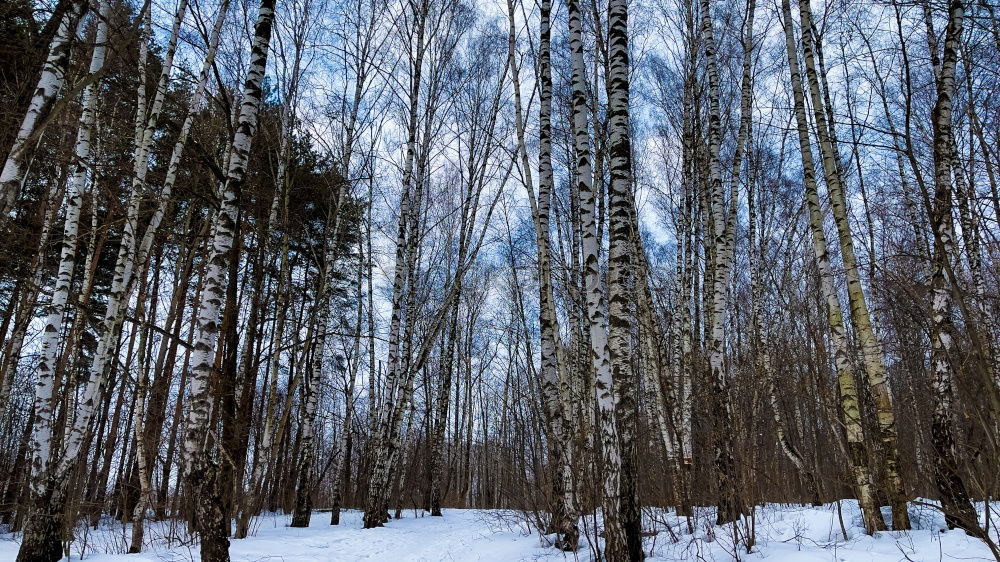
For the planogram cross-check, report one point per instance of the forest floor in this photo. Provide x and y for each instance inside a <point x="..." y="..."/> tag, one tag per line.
<point x="784" y="532"/>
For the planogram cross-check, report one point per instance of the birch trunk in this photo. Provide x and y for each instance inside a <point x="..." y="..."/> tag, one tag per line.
<point x="871" y="348"/>
<point x="955" y="501"/>
<point x="551" y="366"/>
<point x="608" y="359"/>
<point x="860" y="467"/>
<point x="614" y="531"/>
<point x="49" y="83"/>
<point x="26" y="307"/>
<point x="200" y="468"/>
<point x="685" y="283"/>
<point x="342" y="465"/>
<point x="659" y="388"/>
<point x="551" y="372"/>
<point x="142" y="460"/>
<point x="722" y="228"/>
<point x="314" y="374"/>
<point x="621" y="282"/>
<point x="307" y="420"/>
<point x="383" y="442"/>
<point x="48" y="482"/>
<point x="680" y="365"/>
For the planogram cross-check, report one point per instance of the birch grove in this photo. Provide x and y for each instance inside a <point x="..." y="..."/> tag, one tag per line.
<point x="574" y="264"/>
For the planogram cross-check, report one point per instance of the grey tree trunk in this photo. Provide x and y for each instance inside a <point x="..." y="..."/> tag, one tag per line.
<point x="871" y="349"/>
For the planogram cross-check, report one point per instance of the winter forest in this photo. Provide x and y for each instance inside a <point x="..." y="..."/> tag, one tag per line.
<point x="621" y="279"/>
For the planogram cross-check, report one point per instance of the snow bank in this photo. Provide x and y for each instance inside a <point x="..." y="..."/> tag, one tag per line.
<point x="783" y="532"/>
<point x="804" y="534"/>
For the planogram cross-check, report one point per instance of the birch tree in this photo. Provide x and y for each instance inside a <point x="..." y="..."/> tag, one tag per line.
<point x="955" y="501"/>
<point x="200" y="468"/>
<point x="850" y="405"/>
<point x="49" y="473"/>
<point x="874" y="367"/>
<point x="49" y="84"/>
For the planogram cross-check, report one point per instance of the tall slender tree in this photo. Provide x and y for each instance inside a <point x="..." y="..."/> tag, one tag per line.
<point x="201" y="468"/>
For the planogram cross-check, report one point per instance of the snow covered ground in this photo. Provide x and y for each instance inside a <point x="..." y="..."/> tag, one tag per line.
<point x="785" y="533"/>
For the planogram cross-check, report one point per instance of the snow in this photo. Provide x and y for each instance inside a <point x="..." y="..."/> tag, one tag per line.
<point x="788" y="533"/>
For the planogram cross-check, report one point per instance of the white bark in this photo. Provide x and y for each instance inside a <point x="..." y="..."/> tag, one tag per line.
<point x="26" y="306"/>
<point x="130" y="254"/>
<point x="955" y="501"/>
<point x="723" y="226"/>
<point x="49" y="83"/>
<point x="200" y="470"/>
<point x="41" y="437"/>
<point x="389" y="418"/>
<point x="622" y="231"/>
<point x="210" y="300"/>
<point x="850" y="405"/>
